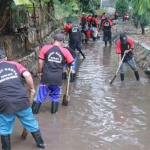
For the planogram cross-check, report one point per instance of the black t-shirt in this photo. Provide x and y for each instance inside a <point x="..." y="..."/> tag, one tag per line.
<point x="54" y="58"/>
<point x="129" y="55"/>
<point x="106" y="24"/>
<point x="74" y="34"/>
<point x="83" y="20"/>
<point x="72" y="52"/>
<point x="13" y="94"/>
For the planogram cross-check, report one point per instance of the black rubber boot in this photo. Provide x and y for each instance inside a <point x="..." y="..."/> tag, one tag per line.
<point x="64" y="75"/>
<point x="38" y="139"/>
<point x="5" y="140"/>
<point x="122" y="76"/>
<point x="94" y="38"/>
<point x="110" y="43"/>
<point x="137" y="75"/>
<point x="72" y="77"/>
<point x="35" y="107"/>
<point x="82" y="53"/>
<point x="105" y="43"/>
<point x="54" y="107"/>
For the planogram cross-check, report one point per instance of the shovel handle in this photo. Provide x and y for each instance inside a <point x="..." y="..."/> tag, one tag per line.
<point x="112" y="80"/>
<point x="68" y="81"/>
<point x="24" y="133"/>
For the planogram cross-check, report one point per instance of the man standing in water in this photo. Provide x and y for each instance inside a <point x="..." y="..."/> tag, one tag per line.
<point x="51" y="61"/>
<point x="14" y="101"/>
<point x="74" y="37"/>
<point x="126" y="45"/>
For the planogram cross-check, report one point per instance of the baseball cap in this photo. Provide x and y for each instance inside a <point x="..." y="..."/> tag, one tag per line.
<point x="69" y="21"/>
<point x="59" y="37"/>
<point x="123" y="38"/>
<point x="2" y="54"/>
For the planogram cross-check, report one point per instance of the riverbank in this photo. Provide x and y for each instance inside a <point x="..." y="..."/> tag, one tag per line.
<point x="142" y="44"/>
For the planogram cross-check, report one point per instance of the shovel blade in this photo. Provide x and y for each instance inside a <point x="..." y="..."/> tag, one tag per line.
<point x="66" y="99"/>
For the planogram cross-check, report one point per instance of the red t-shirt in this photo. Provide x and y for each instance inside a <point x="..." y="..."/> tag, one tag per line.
<point x="120" y="48"/>
<point x="68" y="27"/>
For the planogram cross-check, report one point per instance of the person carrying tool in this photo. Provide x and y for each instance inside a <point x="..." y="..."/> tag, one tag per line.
<point x="106" y="27"/>
<point x="51" y="60"/>
<point x="73" y="71"/>
<point x="126" y="45"/>
<point x="14" y="101"/>
<point x="75" y="37"/>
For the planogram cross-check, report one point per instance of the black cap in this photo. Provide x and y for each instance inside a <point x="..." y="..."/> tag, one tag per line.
<point x="59" y="37"/>
<point x="69" y="21"/>
<point x="123" y="38"/>
<point x="2" y="54"/>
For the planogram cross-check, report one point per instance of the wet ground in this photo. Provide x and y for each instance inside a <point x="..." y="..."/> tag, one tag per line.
<point x="99" y="116"/>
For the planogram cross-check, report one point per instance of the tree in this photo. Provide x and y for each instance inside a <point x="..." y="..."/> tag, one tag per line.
<point x="122" y="7"/>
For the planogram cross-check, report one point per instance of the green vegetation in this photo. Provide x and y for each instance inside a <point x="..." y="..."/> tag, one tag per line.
<point x="122" y="7"/>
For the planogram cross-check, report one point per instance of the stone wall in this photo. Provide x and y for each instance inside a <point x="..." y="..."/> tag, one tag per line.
<point x="142" y="56"/>
<point x="31" y="61"/>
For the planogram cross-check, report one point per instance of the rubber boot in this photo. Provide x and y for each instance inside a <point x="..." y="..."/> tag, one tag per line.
<point x="54" y="107"/>
<point x="94" y="38"/>
<point x="64" y="75"/>
<point x="82" y="53"/>
<point x="72" y="77"/>
<point x="5" y="140"/>
<point x="110" y="43"/>
<point x="35" y="107"/>
<point x="38" y="139"/>
<point x="105" y="43"/>
<point x="137" y="75"/>
<point x="122" y="76"/>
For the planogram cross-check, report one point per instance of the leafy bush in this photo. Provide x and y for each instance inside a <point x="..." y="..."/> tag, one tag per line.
<point x="122" y="7"/>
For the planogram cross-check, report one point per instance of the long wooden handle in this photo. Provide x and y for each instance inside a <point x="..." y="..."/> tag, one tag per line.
<point x="112" y="80"/>
<point x="24" y="133"/>
<point x="68" y="81"/>
<point x="114" y="77"/>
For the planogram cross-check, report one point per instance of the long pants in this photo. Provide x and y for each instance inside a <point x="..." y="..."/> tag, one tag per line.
<point x="26" y="118"/>
<point x="131" y="63"/>
<point x="74" y="65"/>
<point x="107" y="35"/>
<point x="75" y="45"/>
<point x="44" y="90"/>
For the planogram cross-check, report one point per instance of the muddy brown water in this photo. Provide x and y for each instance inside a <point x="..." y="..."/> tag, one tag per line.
<point x="99" y="116"/>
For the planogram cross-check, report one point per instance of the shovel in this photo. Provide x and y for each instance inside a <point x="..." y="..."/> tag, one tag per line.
<point x="66" y="97"/>
<point x="25" y="131"/>
<point x="114" y="77"/>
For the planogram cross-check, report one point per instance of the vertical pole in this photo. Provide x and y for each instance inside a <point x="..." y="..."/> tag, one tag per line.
<point x="101" y="3"/>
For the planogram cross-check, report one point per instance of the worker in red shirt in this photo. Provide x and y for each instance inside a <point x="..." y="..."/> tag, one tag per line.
<point x="106" y="27"/>
<point x="125" y="45"/>
<point x="95" y="26"/>
<point x="51" y="60"/>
